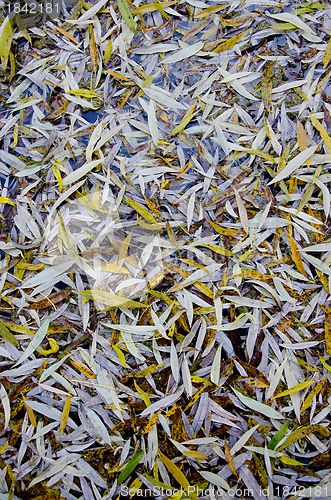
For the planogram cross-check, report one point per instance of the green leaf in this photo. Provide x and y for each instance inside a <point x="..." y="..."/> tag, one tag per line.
<point x="126" y="14"/>
<point x="278" y="436"/>
<point x="130" y="467"/>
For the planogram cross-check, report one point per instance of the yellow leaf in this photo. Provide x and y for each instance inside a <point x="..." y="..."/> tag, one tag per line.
<point x="4" y="199"/>
<point x="83" y="369"/>
<point x="108" y="51"/>
<point x="144" y="396"/>
<point x="262" y="154"/>
<point x="65" y="414"/>
<point x="148" y="371"/>
<point x="296" y="388"/>
<point x="296" y="256"/>
<point x="224" y="230"/>
<point x="150" y="7"/>
<point x="325" y="364"/>
<point x="185" y="120"/>
<point x="6" y="38"/>
<point x="15" y="135"/>
<point x="175" y="471"/>
<point x="3" y="447"/>
<point x="256" y="275"/>
<point x="302" y="432"/>
<point x="53" y="348"/>
<point x="86" y="93"/>
<point x="290" y="461"/>
<point x="323" y="133"/>
<point x="314" y="392"/>
<point x="141" y="210"/>
<point x="209" y="10"/>
<point x="228" y="44"/>
<point x="120" y="355"/>
<point x="229" y="459"/>
<point x="110" y="299"/>
<point x="12" y="65"/>
<point x="110" y="267"/>
<point x="196" y="455"/>
<point x="67" y="34"/>
<point x="217" y="249"/>
<point x="30" y="413"/>
<point x="327" y="55"/>
<point x="58" y="176"/>
<point x="327" y="332"/>
<point x="203" y="288"/>
<point x="152" y="421"/>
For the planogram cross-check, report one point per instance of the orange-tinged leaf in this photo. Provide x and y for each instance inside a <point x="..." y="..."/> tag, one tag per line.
<point x="229" y="459"/>
<point x="93" y="49"/>
<point x="83" y="369"/>
<point x="296" y="256"/>
<point x="266" y="85"/>
<point x="302" y="137"/>
<point x="30" y="413"/>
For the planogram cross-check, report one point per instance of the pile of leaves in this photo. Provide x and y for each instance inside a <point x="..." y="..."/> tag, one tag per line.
<point x="204" y="126"/>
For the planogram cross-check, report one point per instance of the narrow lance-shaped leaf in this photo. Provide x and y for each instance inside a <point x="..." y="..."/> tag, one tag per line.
<point x="257" y="406"/>
<point x="6" y="37"/>
<point x="126" y="14"/>
<point x="130" y="467"/>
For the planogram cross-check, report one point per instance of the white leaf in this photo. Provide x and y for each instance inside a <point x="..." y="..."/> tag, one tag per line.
<point x="184" y="53"/>
<point x="98" y="426"/>
<point x="257" y="406"/>
<point x="47" y="275"/>
<point x="216" y="366"/>
<point x="152" y="122"/>
<point x="35" y="342"/>
<point x="6" y="406"/>
<point x="243" y="440"/>
<point x="80" y="172"/>
<point x="174" y="362"/>
<point x="294" y="164"/>
<point x="215" y="479"/>
<point x="163" y="403"/>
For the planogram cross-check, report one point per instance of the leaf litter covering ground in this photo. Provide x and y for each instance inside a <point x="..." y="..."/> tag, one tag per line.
<point x="205" y="127"/>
